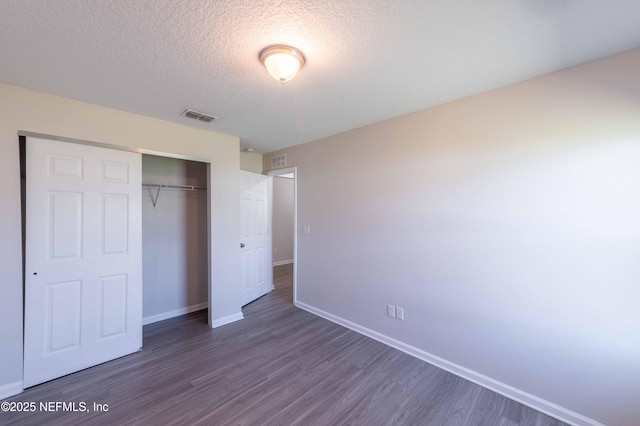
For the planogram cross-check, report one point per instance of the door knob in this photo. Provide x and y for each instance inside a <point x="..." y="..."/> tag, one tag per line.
<point x="241" y="245"/>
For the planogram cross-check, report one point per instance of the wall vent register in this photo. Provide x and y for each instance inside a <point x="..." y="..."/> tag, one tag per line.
<point x="279" y="161"/>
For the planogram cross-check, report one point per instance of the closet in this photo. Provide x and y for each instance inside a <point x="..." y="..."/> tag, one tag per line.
<point x="112" y="238"/>
<point x="174" y="237"/>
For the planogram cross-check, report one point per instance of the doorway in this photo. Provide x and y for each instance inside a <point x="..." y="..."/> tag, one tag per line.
<point x="174" y="241"/>
<point x="283" y="200"/>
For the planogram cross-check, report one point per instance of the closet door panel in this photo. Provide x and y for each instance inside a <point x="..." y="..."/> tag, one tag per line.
<point x="83" y="260"/>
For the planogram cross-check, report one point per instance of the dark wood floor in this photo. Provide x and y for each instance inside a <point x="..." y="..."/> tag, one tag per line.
<point x="278" y="366"/>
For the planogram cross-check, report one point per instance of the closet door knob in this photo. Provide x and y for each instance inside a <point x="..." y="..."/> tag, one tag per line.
<point x="241" y="245"/>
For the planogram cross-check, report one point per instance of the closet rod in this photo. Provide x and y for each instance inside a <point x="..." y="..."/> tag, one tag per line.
<point x="159" y="186"/>
<point x="187" y="187"/>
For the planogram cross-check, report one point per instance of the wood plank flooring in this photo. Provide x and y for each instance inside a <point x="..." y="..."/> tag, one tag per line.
<point x="278" y="366"/>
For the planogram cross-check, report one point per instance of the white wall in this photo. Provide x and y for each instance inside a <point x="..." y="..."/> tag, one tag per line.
<point x="283" y="221"/>
<point x="27" y="110"/>
<point x="506" y="224"/>
<point x="174" y="238"/>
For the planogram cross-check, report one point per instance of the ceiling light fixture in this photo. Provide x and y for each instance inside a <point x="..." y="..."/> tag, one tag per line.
<point x="282" y="62"/>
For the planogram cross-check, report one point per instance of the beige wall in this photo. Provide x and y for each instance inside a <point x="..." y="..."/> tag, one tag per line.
<point x="508" y="227"/>
<point x="251" y="162"/>
<point x="27" y="110"/>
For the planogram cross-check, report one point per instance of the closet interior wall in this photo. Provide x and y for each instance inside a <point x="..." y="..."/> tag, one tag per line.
<point x="174" y="238"/>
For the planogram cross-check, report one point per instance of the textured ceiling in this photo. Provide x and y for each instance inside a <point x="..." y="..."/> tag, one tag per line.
<point x="367" y="60"/>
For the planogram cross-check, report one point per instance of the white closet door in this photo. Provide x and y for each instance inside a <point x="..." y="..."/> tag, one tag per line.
<point x="256" y="255"/>
<point x="83" y="259"/>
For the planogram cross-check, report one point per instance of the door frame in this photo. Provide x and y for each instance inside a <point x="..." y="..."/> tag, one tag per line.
<point x="274" y="173"/>
<point x="22" y="135"/>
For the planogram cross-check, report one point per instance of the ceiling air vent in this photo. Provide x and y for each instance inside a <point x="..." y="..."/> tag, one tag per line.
<point x="199" y="116"/>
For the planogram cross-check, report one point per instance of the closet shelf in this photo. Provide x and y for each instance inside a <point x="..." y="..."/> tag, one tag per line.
<point x="159" y="186"/>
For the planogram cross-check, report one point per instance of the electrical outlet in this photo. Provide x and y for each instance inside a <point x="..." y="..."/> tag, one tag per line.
<point x="391" y="311"/>
<point x="400" y="313"/>
<point x="306" y="229"/>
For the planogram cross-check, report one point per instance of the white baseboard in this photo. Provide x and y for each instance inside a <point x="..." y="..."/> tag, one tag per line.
<point x="11" y="389"/>
<point x="175" y="313"/>
<point x="510" y="392"/>
<point x="283" y="262"/>
<point x="227" y="320"/>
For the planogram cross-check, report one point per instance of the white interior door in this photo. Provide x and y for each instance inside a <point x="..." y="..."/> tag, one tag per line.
<point x="83" y="259"/>
<point x="256" y="253"/>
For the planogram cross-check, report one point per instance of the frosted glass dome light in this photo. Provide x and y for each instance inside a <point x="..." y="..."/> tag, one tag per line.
<point x="282" y="62"/>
